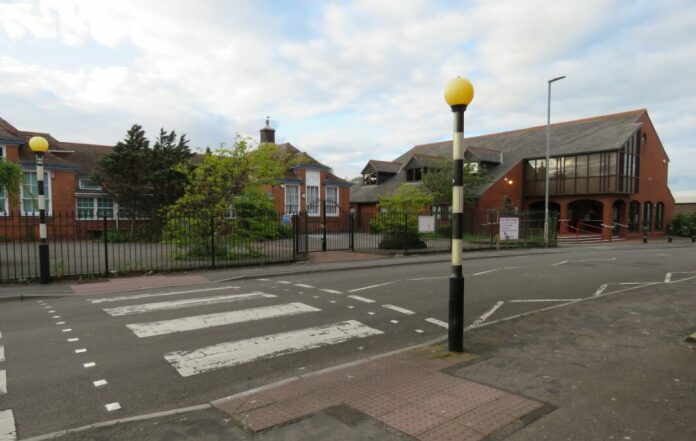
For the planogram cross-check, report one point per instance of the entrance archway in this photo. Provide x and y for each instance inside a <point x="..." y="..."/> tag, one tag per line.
<point x="537" y="213"/>
<point x="633" y="216"/>
<point x="585" y="216"/>
<point x="618" y="216"/>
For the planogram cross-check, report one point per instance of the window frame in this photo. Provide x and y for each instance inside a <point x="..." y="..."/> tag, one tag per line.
<point x="315" y="207"/>
<point x="332" y="210"/>
<point x="47" y="194"/>
<point x="296" y="201"/>
<point x="82" y="186"/>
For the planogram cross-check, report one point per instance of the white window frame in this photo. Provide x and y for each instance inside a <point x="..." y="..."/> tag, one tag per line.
<point x="313" y="209"/>
<point x="47" y="194"/>
<point x="77" y="208"/>
<point x="332" y="210"/>
<point x="84" y="186"/>
<point x="5" y="206"/>
<point x="95" y="208"/>
<point x="296" y="202"/>
<point x="3" y="151"/>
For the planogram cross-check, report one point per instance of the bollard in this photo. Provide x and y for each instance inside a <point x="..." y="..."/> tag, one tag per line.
<point x="670" y="232"/>
<point x="693" y="235"/>
<point x="645" y="234"/>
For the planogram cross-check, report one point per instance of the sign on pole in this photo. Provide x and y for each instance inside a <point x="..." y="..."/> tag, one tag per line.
<point x="426" y="224"/>
<point x="509" y="228"/>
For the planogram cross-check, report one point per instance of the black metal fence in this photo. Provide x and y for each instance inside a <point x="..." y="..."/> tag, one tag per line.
<point x="103" y="247"/>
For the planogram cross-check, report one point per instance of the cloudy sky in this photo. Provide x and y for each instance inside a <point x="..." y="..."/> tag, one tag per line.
<point x="345" y="81"/>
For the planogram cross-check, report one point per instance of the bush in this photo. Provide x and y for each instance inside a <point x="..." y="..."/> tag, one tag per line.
<point x="444" y="229"/>
<point x="683" y="223"/>
<point x="410" y="241"/>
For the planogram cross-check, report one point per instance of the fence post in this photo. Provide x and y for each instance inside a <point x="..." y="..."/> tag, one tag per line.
<point x="351" y="231"/>
<point x="293" y="221"/>
<point x="106" y="248"/>
<point x="323" y="225"/>
<point x="212" y="238"/>
<point x="405" y="233"/>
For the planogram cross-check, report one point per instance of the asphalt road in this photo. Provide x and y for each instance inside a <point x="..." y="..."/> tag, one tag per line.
<point x="348" y="315"/>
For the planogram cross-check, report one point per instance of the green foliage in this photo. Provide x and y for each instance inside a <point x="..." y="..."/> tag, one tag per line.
<point x="167" y="162"/>
<point x="398" y="221"/>
<point x="683" y="224"/>
<point x="438" y="182"/>
<point x="10" y="179"/>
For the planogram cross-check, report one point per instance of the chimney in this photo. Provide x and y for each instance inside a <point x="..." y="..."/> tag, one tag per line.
<point x="267" y="133"/>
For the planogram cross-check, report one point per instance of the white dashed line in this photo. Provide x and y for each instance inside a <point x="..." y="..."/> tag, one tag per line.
<point x="559" y="263"/>
<point x="302" y="285"/>
<point x="91" y="364"/>
<point x="487" y="314"/>
<point x="3" y="385"/>
<point x="369" y="287"/>
<point x="52" y="311"/>
<point x="362" y="299"/>
<point x="485" y="272"/>
<point x="112" y="407"/>
<point x="60" y="323"/>
<point x="159" y="294"/>
<point x="370" y="313"/>
<point x="542" y="300"/>
<point x="394" y="321"/>
<point x="419" y="331"/>
<point x="8" y="431"/>
<point x="66" y="330"/>
<point x="284" y="282"/>
<point x="429" y="278"/>
<point x="2" y="353"/>
<point x="331" y="291"/>
<point x="55" y="317"/>
<point x="351" y="306"/>
<point x="437" y="322"/>
<point x="100" y="383"/>
<point x="186" y="303"/>
<point x="73" y="340"/>
<point x="601" y="289"/>
<point x="80" y="351"/>
<point x="668" y="277"/>
<point x="399" y="309"/>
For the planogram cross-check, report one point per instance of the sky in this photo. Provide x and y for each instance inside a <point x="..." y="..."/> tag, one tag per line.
<point x="345" y="81"/>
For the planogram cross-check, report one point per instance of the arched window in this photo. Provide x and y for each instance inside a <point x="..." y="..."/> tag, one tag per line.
<point x="647" y="215"/>
<point x="659" y="216"/>
<point x="633" y="216"/>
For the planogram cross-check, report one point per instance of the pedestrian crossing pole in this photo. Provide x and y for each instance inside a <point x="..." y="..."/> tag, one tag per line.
<point x="458" y="94"/>
<point x="39" y="145"/>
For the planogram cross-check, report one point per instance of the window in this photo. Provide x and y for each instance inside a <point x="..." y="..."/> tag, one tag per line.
<point x="471" y="167"/>
<point x="332" y="201"/>
<point x="313" y="201"/>
<point x="30" y="194"/>
<point x="292" y="199"/>
<point x="3" y="149"/>
<point x="88" y="184"/>
<point x="3" y="202"/>
<point x="85" y="208"/>
<point x="647" y="215"/>
<point x="370" y="179"/>
<point x="105" y="207"/>
<point x="659" y="216"/>
<point x="415" y="174"/>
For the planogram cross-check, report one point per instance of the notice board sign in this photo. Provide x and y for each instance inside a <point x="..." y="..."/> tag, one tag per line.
<point x="426" y="224"/>
<point x="509" y="228"/>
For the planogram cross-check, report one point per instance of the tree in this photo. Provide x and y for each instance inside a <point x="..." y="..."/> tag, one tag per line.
<point x="123" y="173"/>
<point x="398" y="220"/>
<point x="10" y="180"/>
<point x="438" y="182"/>
<point x="167" y="163"/>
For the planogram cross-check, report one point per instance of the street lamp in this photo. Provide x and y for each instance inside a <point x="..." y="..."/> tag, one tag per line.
<point x="548" y="144"/>
<point x="458" y="94"/>
<point x="39" y="145"/>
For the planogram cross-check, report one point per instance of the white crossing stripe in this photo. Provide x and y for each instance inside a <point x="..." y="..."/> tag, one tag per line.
<point x="7" y="426"/>
<point x="2" y="353"/>
<point x="399" y="309"/>
<point x="302" y="285"/>
<point x="3" y="383"/>
<point x="485" y="272"/>
<point x="437" y="322"/>
<point x="331" y="291"/>
<point x="219" y="319"/>
<point x="113" y="407"/>
<point x="362" y="299"/>
<point x="158" y="294"/>
<point x="100" y="383"/>
<point x="229" y="354"/>
<point x="185" y="303"/>
<point x="601" y="289"/>
<point x="668" y="278"/>
<point x="543" y="300"/>
<point x="89" y="365"/>
<point x="487" y="314"/>
<point x="370" y="287"/>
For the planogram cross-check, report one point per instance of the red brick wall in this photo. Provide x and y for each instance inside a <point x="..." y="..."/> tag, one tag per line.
<point x="494" y="196"/>
<point x="12" y="153"/>
<point x="62" y="191"/>
<point x="278" y="193"/>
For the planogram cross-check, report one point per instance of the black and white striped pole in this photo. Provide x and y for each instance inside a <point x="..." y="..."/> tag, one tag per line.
<point x="39" y="145"/>
<point x="458" y="94"/>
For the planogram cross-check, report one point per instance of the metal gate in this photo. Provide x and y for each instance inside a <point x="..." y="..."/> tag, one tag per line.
<point x="323" y="231"/>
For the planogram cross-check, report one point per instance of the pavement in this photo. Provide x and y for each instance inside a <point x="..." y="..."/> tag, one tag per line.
<point x="618" y="365"/>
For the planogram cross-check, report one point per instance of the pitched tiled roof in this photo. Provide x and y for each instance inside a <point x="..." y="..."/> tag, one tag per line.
<point x="601" y="133"/>
<point x="383" y="166"/>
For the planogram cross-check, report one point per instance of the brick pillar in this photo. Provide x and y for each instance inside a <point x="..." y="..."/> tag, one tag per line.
<point x="606" y="218"/>
<point x="563" y="219"/>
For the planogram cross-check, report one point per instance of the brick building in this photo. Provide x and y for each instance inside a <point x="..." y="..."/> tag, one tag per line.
<point x="608" y="174"/>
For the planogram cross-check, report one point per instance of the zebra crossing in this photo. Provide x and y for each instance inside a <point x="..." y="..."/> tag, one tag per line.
<point x="7" y="422"/>
<point x="231" y="310"/>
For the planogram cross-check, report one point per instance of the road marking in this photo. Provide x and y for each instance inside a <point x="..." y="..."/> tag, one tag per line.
<point x="351" y="306"/>
<point x="60" y="323"/>
<point x="370" y="287"/>
<point x="485" y="272"/>
<point x="3" y="384"/>
<point x="429" y="278"/>
<point x="218" y="319"/>
<point x="362" y="299"/>
<point x="419" y="331"/>
<point x="487" y="314"/>
<point x="437" y="322"/>
<point x="80" y="351"/>
<point x="332" y="301"/>
<point x="72" y="340"/>
<point x="543" y="300"/>
<point x="302" y="285"/>
<point x="284" y="282"/>
<point x="52" y="311"/>
<point x="394" y="321"/>
<point x="112" y="407"/>
<point x="55" y="317"/>
<point x="91" y="364"/>
<point x="159" y="294"/>
<point x="210" y="358"/>
<point x="668" y="277"/>
<point x="601" y="289"/>
<point x="100" y="383"/>
<point x="662" y="255"/>
<point x="66" y="330"/>
<point x="185" y="303"/>
<point x="559" y="263"/>
<point x="7" y="426"/>
<point x="2" y="353"/>
<point x="264" y="280"/>
<point x="331" y="291"/>
<point x="399" y="309"/>
<point x="597" y="260"/>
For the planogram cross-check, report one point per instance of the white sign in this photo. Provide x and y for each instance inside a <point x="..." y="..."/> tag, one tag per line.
<point x="426" y="224"/>
<point x="312" y="178"/>
<point x="509" y="228"/>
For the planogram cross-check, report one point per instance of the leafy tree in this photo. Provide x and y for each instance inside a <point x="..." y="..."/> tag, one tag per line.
<point x="10" y="180"/>
<point x="398" y="220"/>
<point x="438" y="182"/>
<point x="167" y="162"/>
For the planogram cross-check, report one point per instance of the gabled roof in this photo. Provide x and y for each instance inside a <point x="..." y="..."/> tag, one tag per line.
<point x="601" y="133"/>
<point x="381" y="167"/>
<point x="484" y="155"/>
<point x="419" y="160"/>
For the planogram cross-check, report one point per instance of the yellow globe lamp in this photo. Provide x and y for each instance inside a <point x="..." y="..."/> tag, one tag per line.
<point x="38" y="144"/>
<point x="459" y="92"/>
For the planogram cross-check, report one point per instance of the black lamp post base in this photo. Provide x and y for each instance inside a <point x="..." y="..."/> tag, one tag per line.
<point x="44" y="264"/>
<point x="456" y="313"/>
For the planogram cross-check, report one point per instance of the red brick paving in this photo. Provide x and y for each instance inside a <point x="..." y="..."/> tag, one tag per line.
<point x="130" y="283"/>
<point x="341" y="256"/>
<point x="406" y="391"/>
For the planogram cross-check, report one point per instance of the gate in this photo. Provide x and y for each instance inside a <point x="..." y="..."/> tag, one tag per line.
<point x="323" y="230"/>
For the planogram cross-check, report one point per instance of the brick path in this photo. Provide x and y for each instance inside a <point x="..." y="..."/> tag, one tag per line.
<point x="129" y="283"/>
<point x="407" y="391"/>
